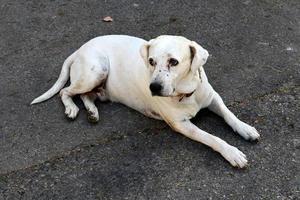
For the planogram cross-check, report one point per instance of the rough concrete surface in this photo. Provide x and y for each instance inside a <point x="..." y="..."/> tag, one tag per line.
<point x="254" y="65"/>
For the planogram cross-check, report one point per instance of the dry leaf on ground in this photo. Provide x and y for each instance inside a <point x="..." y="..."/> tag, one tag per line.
<point x="108" y="19"/>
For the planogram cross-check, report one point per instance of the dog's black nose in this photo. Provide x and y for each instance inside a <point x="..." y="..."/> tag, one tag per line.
<point x="155" y="89"/>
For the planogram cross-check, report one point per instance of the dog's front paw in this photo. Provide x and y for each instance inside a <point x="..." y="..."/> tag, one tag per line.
<point x="71" y="111"/>
<point x="248" y="132"/>
<point x="234" y="156"/>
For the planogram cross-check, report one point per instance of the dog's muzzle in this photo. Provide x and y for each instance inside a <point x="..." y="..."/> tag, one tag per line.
<point x="156" y="89"/>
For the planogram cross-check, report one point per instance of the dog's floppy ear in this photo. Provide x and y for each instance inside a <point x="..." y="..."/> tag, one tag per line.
<point x="144" y="51"/>
<point x="198" y="56"/>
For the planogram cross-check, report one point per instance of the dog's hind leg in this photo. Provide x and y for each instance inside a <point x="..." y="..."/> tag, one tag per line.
<point x="71" y="110"/>
<point x="86" y="73"/>
<point x="92" y="111"/>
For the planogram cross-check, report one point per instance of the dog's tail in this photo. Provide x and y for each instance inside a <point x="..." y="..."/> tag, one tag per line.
<point x="61" y="81"/>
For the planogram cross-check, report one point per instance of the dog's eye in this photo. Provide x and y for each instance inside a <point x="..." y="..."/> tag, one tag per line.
<point x="173" y="62"/>
<point x="151" y="62"/>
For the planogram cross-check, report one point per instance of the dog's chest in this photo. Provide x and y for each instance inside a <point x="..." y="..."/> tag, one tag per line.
<point x="187" y="106"/>
<point x="177" y="108"/>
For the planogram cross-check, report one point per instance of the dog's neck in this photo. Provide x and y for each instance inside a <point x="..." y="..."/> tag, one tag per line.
<point x="188" y="85"/>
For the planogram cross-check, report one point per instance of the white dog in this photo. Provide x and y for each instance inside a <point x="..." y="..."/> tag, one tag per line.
<point x="163" y="79"/>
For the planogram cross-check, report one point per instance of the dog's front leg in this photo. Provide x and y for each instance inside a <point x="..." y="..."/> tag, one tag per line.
<point x="230" y="153"/>
<point x="246" y="131"/>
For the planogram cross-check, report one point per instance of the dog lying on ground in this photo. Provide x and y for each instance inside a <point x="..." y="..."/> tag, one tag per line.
<point x="163" y="79"/>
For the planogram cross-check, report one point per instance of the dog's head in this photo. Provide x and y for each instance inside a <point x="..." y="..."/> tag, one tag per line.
<point x="172" y="59"/>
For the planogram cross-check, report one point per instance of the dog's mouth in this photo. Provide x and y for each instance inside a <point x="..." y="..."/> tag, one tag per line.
<point x="159" y="95"/>
<point x="156" y="93"/>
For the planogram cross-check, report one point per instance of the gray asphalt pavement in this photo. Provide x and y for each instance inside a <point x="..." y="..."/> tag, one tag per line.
<point x="254" y="65"/>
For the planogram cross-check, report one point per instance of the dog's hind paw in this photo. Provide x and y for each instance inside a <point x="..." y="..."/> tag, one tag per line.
<point x="71" y="111"/>
<point x="93" y="117"/>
